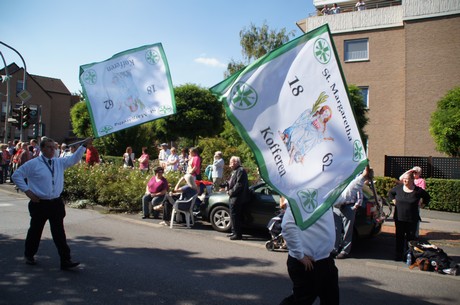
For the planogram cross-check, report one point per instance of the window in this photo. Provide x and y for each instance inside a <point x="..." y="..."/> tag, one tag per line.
<point x="365" y="94"/>
<point x="356" y="50"/>
<point x="19" y="86"/>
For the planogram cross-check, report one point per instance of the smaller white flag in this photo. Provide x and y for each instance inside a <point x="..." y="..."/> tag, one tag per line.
<point x="131" y="88"/>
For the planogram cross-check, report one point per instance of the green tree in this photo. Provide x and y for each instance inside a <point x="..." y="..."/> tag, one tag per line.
<point x="360" y="110"/>
<point x="445" y="124"/>
<point x="256" y="42"/>
<point x="81" y="122"/>
<point x="113" y="144"/>
<point x="199" y="114"/>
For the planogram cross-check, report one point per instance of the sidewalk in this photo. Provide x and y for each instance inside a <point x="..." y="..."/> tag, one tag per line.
<point x="439" y="228"/>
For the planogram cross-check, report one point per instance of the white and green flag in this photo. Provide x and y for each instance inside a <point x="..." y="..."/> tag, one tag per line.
<point x="131" y="88"/>
<point x="292" y="108"/>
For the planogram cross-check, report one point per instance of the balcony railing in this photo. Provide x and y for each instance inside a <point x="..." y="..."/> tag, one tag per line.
<point x="382" y="17"/>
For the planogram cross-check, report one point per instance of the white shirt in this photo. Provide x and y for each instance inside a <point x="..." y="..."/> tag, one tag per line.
<point x="45" y="181"/>
<point x="317" y="240"/>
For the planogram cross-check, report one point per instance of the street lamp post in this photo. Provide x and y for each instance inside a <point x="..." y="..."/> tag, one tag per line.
<point x="7" y="109"/>
<point x="23" y="84"/>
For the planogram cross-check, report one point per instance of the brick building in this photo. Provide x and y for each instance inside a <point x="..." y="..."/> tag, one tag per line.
<point x="49" y="97"/>
<point x="404" y="56"/>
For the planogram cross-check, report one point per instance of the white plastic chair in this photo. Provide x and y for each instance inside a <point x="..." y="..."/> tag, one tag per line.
<point x="188" y="213"/>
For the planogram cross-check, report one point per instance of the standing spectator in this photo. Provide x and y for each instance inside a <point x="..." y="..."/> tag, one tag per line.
<point x="238" y="192"/>
<point x="128" y="158"/>
<point x="12" y="150"/>
<point x="57" y="151"/>
<point x="360" y="5"/>
<point x="155" y="192"/>
<point x="45" y="182"/>
<point x="36" y="148"/>
<point x="92" y="155"/>
<point x="183" y="160"/>
<point x="310" y="266"/>
<point x="71" y="151"/>
<point x="217" y="170"/>
<point x="64" y="150"/>
<point x="172" y="163"/>
<point x="407" y="198"/>
<point x="344" y="218"/>
<point x="144" y="160"/>
<point x="5" y="162"/>
<point x="194" y="164"/>
<point x="163" y="155"/>
<point x="335" y="9"/>
<point x="420" y="182"/>
<point x="325" y="10"/>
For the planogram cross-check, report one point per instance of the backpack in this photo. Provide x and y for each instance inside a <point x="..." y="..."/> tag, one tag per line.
<point x="437" y="258"/>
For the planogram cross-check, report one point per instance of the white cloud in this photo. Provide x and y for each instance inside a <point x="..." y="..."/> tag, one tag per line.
<point x="213" y="62"/>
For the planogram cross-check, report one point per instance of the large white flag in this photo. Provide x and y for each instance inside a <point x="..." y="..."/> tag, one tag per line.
<point x="131" y="88"/>
<point x="292" y="108"/>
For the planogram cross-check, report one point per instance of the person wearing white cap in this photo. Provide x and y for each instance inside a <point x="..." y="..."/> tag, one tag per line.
<point x="163" y="155"/>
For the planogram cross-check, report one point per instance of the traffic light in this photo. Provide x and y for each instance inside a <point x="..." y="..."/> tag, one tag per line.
<point x="25" y="116"/>
<point x="35" y="130"/>
<point x="16" y="122"/>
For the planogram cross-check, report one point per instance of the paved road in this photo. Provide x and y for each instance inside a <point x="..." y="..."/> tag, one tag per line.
<point x="127" y="260"/>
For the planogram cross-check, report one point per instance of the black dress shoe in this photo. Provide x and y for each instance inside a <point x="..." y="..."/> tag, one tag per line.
<point x="230" y="235"/>
<point x="68" y="264"/>
<point x="236" y="237"/>
<point x="30" y="260"/>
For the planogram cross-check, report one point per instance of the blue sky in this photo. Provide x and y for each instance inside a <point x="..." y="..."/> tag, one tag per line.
<point x="199" y="37"/>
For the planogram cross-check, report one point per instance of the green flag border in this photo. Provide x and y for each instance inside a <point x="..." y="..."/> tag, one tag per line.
<point x="144" y="47"/>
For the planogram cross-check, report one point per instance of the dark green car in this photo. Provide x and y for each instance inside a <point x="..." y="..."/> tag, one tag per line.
<point x="264" y="205"/>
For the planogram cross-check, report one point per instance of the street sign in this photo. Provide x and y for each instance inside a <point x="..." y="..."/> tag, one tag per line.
<point x="24" y="95"/>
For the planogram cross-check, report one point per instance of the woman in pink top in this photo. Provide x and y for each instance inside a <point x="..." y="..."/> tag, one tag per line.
<point x="194" y="164"/>
<point x="155" y="193"/>
<point x="144" y="160"/>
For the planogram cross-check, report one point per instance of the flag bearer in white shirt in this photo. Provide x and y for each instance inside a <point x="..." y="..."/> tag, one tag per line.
<point x="44" y="185"/>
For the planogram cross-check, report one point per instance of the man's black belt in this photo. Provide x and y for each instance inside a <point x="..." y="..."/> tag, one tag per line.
<point x="50" y="200"/>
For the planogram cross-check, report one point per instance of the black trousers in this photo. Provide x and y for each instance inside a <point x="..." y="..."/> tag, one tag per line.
<point x="405" y="232"/>
<point x="54" y="212"/>
<point x="236" y="216"/>
<point x="322" y="282"/>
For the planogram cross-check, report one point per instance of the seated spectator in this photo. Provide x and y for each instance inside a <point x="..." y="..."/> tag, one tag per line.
<point x="155" y="193"/>
<point x="186" y="192"/>
<point x="335" y="9"/>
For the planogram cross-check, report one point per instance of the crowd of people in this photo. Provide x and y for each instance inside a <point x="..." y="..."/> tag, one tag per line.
<point x="335" y="9"/>
<point x="310" y="262"/>
<point x="16" y="153"/>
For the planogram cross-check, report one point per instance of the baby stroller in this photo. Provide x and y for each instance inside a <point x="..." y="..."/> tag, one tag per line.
<point x="274" y="227"/>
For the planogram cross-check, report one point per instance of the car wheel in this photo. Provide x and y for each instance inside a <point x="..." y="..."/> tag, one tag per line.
<point x="220" y="219"/>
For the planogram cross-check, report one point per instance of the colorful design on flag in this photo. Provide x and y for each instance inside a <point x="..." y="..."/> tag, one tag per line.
<point x="291" y="107"/>
<point x="131" y="88"/>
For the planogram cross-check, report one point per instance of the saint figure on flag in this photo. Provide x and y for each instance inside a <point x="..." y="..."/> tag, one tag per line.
<point x="308" y="130"/>
<point x="125" y="92"/>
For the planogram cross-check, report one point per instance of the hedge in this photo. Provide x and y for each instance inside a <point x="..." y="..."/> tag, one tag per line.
<point x="118" y="188"/>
